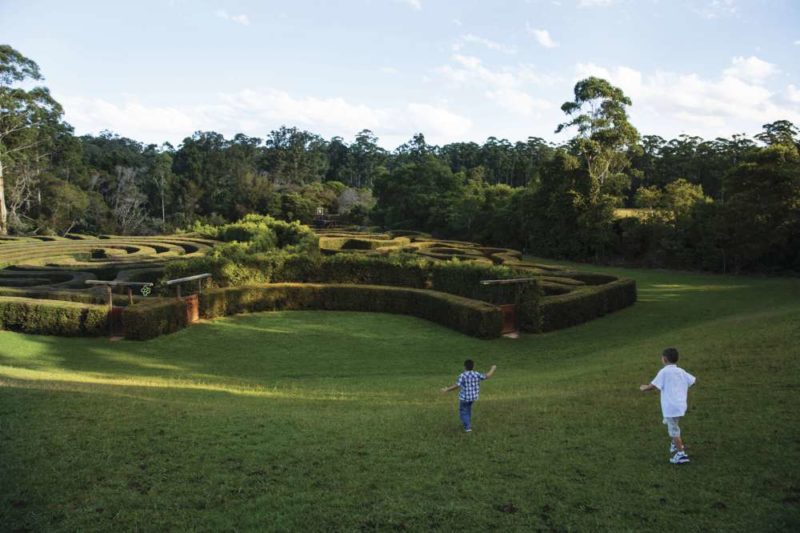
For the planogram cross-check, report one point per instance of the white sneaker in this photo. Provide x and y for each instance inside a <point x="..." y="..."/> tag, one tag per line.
<point x="679" y="458"/>
<point x="672" y="447"/>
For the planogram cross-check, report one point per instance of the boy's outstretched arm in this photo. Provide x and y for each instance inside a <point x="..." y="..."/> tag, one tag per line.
<point x="448" y="389"/>
<point x="490" y="373"/>
<point x="645" y="388"/>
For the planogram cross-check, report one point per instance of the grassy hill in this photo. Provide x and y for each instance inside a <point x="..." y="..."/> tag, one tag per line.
<point x="329" y="420"/>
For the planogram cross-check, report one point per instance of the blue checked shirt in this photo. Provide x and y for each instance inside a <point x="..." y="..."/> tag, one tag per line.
<point x="470" y="383"/>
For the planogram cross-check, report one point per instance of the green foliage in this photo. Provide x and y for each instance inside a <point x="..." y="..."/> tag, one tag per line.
<point x="417" y="194"/>
<point x="49" y="317"/>
<point x="256" y="249"/>
<point x="478" y="319"/>
<point x="463" y="278"/>
<point x="151" y="319"/>
<point x="577" y="307"/>
<point x="395" y="269"/>
<point x="263" y="233"/>
<point x="762" y="214"/>
<point x="605" y="136"/>
<point x="93" y="297"/>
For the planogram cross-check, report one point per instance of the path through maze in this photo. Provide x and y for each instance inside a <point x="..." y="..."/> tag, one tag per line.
<point x="65" y="263"/>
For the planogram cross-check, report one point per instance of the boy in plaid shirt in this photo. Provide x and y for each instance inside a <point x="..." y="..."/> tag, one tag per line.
<point x="470" y="384"/>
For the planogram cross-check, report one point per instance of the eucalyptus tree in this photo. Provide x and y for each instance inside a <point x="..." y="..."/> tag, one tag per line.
<point x="606" y="139"/>
<point x="367" y="159"/>
<point x="293" y="156"/>
<point x="780" y="132"/>
<point x="27" y="116"/>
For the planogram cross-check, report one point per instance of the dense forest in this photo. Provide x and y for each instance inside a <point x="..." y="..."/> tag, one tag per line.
<point x="608" y="195"/>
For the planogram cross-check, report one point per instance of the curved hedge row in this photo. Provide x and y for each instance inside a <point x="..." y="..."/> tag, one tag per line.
<point x="585" y="304"/>
<point x="153" y="318"/>
<point x="562" y="298"/>
<point x="478" y="319"/>
<point x="65" y="263"/>
<point x="52" y="317"/>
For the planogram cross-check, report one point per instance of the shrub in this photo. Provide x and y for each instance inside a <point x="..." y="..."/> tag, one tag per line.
<point x="464" y="279"/>
<point x="259" y="247"/>
<point x="51" y="317"/>
<point x="88" y="297"/>
<point x="471" y="317"/>
<point x="582" y="305"/>
<point x="395" y="269"/>
<point x="150" y="319"/>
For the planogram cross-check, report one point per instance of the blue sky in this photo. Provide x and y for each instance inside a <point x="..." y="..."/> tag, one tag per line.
<point x="454" y="70"/>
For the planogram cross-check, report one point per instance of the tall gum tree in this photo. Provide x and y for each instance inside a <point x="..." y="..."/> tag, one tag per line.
<point x="26" y="115"/>
<point x="606" y="139"/>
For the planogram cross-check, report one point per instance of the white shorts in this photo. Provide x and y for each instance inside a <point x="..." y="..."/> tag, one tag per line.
<point x="673" y="428"/>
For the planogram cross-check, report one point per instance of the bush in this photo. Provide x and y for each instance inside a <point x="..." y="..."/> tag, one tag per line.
<point x="583" y="305"/>
<point x="230" y="266"/>
<point x="88" y="297"/>
<point x="335" y="242"/>
<point x="471" y="317"/>
<point x="52" y="317"/>
<point x="463" y="278"/>
<point x="150" y="319"/>
<point x="258" y="249"/>
<point x="396" y="270"/>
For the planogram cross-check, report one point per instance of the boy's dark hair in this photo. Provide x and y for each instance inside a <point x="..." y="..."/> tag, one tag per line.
<point x="671" y="355"/>
<point x="469" y="364"/>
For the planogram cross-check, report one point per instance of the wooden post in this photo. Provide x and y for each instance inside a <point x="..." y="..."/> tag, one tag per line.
<point x="110" y="298"/>
<point x="178" y="291"/>
<point x="199" y="286"/>
<point x="130" y="296"/>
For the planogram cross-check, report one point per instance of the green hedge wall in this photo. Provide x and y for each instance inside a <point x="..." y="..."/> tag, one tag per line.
<point x="463" y="278"/>
<point x="52" y="317"/>
<point x="582" y="305"/>
<point x="471" y="317"/>
<point x="87" y="297"/>
<point x="150" y="319"/>
<point x="397" y="270"/>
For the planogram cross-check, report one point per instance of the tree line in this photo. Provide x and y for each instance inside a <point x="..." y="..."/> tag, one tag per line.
<point x="608" y="194"/>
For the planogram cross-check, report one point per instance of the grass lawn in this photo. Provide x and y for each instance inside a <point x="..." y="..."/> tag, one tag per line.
<point x="334" y="421"/>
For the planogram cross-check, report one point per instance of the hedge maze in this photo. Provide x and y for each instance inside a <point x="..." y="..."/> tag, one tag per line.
<point x="57" y="263"/>
<point x="43" y="280"/>
<point x="566" y="298"/>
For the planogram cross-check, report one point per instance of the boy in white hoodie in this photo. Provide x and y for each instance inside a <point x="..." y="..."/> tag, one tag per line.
<point x="674" y="383"/>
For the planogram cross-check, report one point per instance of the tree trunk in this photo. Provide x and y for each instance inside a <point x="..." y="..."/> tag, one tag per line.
<point x="3" y="210"/>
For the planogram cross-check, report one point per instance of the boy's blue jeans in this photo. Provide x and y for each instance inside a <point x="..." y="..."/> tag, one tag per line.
<point x="465" y="412"/>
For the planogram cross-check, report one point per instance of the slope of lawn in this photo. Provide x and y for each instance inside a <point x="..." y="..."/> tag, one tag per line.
<point x="334" y="421"/>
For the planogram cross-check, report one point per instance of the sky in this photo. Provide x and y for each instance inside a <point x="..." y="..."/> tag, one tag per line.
<point x="455" y="70"/>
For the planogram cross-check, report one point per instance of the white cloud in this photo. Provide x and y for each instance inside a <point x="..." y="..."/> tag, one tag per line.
<point x="797" y="42"/>
<point x="389" y="70"/>
<point x="506" y="87"/>
<point x="737" y="100"/>
<point x="470" y="38"/>
<point x="793" y="94"/>
<point x="543" y="37"/>
<point x="238" y="19"/>
<point x="750" y="68"/>
<point x="458" y="23"/>
<point x="256" y="112"/>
